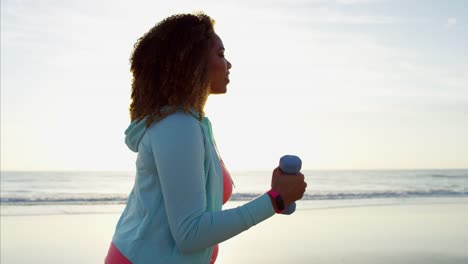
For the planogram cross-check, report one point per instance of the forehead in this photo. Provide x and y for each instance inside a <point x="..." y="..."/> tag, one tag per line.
<point x="217" y="42"/>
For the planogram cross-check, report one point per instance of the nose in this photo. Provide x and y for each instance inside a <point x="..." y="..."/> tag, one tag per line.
<point x="229" y="65"/>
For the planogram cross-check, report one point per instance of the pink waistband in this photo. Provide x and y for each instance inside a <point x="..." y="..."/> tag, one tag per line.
<point x="114" y="256"/>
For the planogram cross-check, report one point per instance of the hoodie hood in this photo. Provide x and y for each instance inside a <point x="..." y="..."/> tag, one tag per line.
<point x="134" y="133"/>
<point x="136" y="130"/>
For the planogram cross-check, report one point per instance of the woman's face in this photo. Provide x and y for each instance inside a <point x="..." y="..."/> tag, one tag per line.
<point x="218" y="67"/>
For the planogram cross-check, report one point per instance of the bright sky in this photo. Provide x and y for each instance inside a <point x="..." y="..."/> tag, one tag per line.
<point x="345" y="84"/>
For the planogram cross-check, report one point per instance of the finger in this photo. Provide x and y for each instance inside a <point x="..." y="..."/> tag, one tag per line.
<point x="302" y="177"/>
<point x="299" y="176"/>
<point x="277" y="171"/>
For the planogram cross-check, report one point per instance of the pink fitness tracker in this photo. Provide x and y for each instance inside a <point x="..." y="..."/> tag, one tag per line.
<point x="278" y="202"/>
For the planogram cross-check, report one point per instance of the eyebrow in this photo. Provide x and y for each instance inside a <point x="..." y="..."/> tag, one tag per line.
<point x="222" y="48"/>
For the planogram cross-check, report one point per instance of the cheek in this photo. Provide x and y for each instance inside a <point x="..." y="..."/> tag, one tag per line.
<point x="220" y="66"/>
<point x="218" y="63"/>
<point x="217" y="69"/>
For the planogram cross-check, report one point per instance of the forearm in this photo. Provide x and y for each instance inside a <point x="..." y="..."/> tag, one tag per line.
<point x="211" y="228"/>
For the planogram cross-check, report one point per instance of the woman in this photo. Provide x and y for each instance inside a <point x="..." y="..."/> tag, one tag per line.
<point x="173" y="213"/>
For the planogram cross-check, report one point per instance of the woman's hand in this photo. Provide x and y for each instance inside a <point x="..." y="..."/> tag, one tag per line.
<point x="290" y="186"/>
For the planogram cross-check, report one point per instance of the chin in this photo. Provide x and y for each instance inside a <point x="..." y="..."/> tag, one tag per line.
<point x="219" y="91"/>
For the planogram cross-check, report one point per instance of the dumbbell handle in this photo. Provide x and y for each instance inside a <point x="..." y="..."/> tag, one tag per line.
<point x="290" y="164"/>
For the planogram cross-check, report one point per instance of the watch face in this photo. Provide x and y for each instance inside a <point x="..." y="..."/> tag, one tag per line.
<point x="280" y="202"/>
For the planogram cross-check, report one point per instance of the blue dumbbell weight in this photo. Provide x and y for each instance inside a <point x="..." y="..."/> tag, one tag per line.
<point x="290" y="164"/>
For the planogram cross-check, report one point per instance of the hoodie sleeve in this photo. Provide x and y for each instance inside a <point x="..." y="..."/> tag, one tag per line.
<point x="178" y="147"/>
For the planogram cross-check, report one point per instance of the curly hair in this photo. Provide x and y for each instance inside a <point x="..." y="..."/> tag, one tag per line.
<point x="169" y="67"/>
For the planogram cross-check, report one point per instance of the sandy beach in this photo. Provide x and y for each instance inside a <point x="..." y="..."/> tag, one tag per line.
<point x="412" y="233"/>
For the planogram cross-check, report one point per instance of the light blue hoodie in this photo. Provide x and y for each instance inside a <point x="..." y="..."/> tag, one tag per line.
<point x="173" y="213"/>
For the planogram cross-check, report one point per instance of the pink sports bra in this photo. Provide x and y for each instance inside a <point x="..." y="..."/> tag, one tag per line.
<point x="227" y="192"/>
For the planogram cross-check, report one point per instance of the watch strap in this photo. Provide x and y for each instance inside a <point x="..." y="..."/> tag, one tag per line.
<point x="277" y="201"/>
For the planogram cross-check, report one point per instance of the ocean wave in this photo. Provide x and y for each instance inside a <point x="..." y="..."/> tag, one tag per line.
<point x="364" y="195"/>
<point x="453" y="177"/>
<point x="122" y="198"/>
<point x="44" y="200"/>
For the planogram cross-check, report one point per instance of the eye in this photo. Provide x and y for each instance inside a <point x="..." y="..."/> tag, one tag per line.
<point x="221" y="55"/>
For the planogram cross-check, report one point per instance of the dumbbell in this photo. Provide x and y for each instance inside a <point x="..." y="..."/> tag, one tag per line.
<point x="290" y="164"/>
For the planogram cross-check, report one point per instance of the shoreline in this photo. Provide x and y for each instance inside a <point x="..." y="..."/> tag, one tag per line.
<point x="408" y="233"/>
<point x="10" y="210"/>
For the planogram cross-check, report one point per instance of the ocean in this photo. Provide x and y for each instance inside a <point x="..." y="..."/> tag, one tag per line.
<point x="43" y="193"/>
